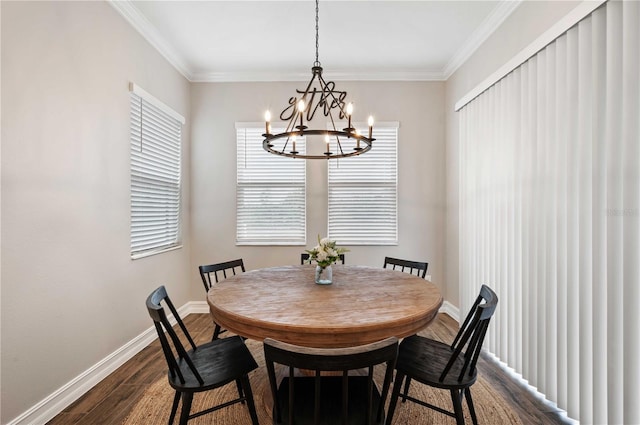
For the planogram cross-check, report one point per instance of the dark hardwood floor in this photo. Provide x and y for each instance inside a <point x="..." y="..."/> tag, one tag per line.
<point x="110" y="401"/>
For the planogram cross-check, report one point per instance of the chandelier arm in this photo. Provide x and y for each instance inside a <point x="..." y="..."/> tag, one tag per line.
<point x="339" y="145"/>
<point x="333" y="123"/>
<point x="291" y="123"/>
<point x="290" y="127"/>
<point x="306" y="91"/>
<point x="323" y="84"/>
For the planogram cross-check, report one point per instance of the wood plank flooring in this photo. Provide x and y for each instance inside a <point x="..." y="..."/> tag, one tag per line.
<point x="111" y="400"/>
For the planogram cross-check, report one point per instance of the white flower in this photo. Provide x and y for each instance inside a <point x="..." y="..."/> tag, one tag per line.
<point x="326" y="252"/>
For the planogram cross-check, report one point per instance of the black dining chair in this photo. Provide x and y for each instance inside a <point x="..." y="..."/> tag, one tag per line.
<point x="202" y="368"/>
<point x="334" y="399"/>
<point x="412" y="267"/>
<point x="304" y="258"/>
<point x="449" y="367"/>
<point x="219" y="271"/>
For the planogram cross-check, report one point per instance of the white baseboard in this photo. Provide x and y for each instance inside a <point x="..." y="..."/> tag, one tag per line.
<point x="454" y="312"/>
<point x="451" y="310"/>
<point x="56" y="402"/>
<point x="508" y="370"/>
<point x="198" y="307"/>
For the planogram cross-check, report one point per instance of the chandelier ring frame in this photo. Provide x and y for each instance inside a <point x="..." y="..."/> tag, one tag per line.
<point x="268" y="146"/>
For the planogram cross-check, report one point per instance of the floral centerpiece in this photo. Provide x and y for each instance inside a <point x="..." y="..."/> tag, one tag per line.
<point x="325" y="254"/>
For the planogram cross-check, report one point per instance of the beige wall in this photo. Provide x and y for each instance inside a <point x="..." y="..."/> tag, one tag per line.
<point x="71" y="295"/>
<point x="526" y="23"/>
<point x="417" y="106"/>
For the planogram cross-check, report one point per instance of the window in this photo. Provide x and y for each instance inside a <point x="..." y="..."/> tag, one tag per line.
<point x="363" y="202"/>
<point x="270" y="192"/>
<point x="155" y="175"/>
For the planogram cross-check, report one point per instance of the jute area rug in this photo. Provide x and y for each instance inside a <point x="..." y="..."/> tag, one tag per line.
<point x="155" y="405"/>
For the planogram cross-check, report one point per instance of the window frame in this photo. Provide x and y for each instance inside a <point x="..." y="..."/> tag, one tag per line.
<point x="381" y="127"/>
<point x="165" y="181"/>
<point x="253" y="143"/>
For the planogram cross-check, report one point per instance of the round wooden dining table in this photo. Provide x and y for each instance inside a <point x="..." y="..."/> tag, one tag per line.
<point x="362" y="305"/>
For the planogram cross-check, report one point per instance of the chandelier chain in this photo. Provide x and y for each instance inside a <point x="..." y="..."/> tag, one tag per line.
<point x="317" y="63"/>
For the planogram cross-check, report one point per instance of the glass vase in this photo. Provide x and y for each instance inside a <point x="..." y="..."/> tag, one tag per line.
<point x="324" y="275"/>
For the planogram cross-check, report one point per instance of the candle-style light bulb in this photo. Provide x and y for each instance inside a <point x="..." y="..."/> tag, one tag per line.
<point x="326" y="139"/>
<point x="267" y="119"/>
<point x="294" y="143"/>
<point x="349" y="112"/>
<point x="370" y="126"/>
<point x="357" y="140"/>
<point x="301" y="110"/>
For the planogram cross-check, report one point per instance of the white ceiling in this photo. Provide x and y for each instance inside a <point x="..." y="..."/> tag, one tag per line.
<point x="275" y="40"/>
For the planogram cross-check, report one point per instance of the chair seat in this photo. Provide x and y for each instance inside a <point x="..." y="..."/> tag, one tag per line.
<point x="424" y="359"/>
<point x="330" y="400"/>
<point x="218" y="362"/>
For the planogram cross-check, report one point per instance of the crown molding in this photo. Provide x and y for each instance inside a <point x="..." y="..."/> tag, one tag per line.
<point x="151" y="34"/>
<point x="480" y="35"/>
<point x="261" y="76"/>
<point x="397" y="75"/>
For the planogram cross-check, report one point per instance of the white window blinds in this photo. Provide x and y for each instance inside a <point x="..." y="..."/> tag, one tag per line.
<point x="550" y="215"/>
<point x="270" y="192"/>
<point x="363" y="201"/>
<point x="155" y="175"/>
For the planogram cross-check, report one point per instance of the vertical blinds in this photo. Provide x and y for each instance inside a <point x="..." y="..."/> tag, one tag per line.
<point x="270" y="192"/>
<point x="550" y="215"/>
<point x="363" y="202"/>
<point x="155" y="177"/>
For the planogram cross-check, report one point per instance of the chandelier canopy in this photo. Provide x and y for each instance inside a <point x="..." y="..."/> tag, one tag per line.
<point x="318" y="98"/>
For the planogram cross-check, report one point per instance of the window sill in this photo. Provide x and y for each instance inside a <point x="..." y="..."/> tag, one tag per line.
<point x="154" y="252"/>
<point x="271" y="243"/>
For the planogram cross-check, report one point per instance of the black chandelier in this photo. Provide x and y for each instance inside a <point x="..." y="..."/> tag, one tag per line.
<point x="319" y="96"/>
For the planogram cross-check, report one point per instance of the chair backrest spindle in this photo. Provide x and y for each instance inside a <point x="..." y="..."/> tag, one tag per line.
<point x="163" y="327"/>
<point x="208" y="270"/>
<point x="472" y="332"/>
<point x="339" y="359"/>
<point x="416" y="268"/>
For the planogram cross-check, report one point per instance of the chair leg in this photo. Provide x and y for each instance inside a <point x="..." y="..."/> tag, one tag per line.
<point x="216" y="332"/>
<point x="406" y="389"/>
<point x="240" y="393"/>
<point x="174" y="407"/>
<point x="472" y="410"/>
<point x="187" y="398"/>
<point x="456" y="398"/>
<point x="246" y="387"/>
<point x="397" y="385"/>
